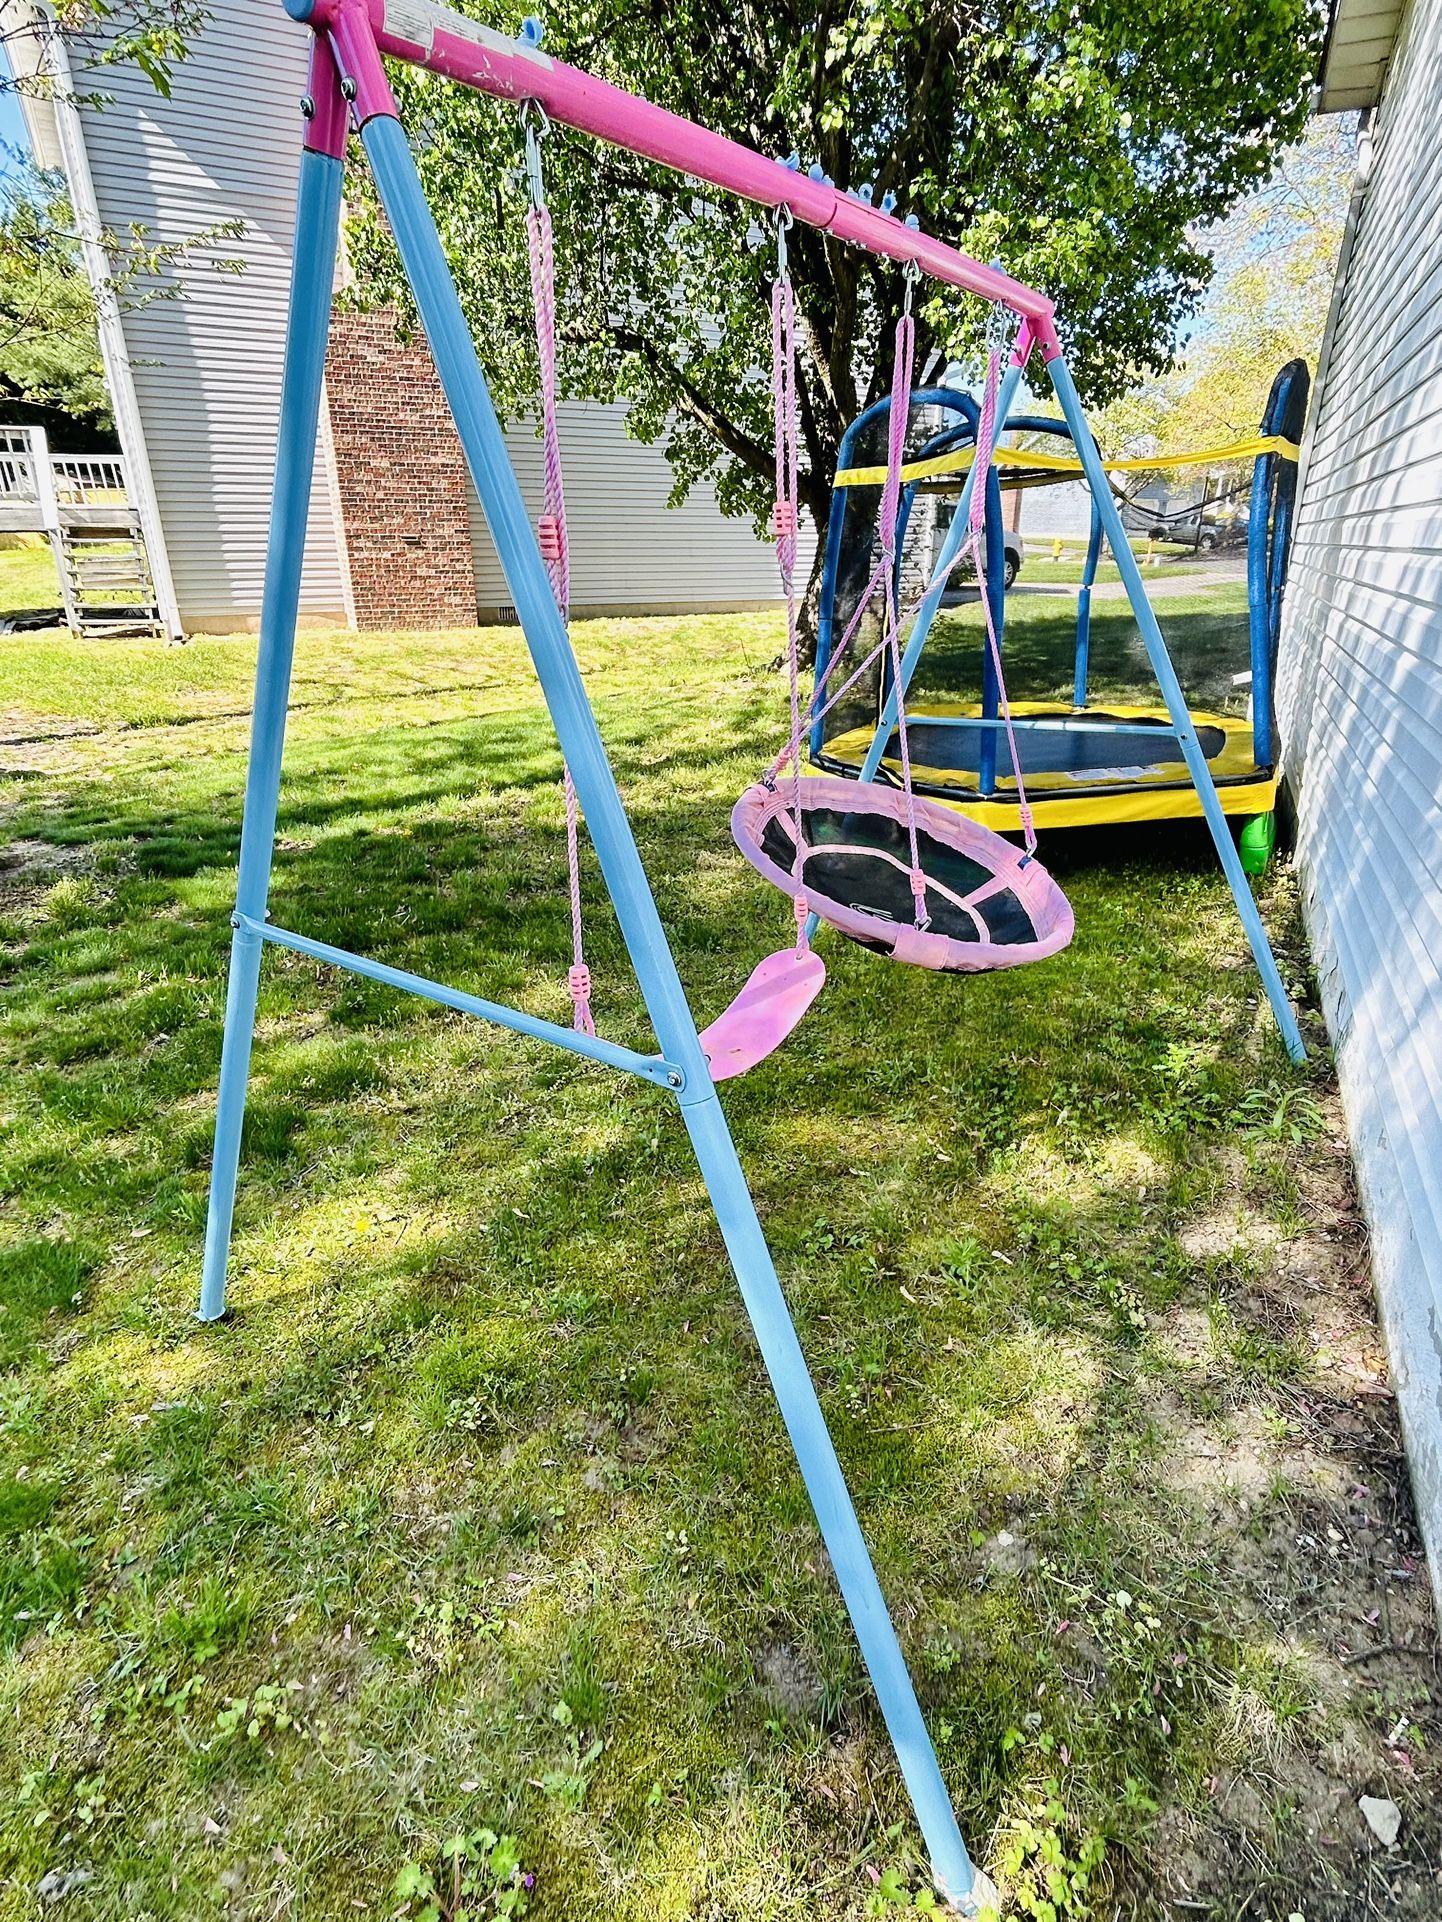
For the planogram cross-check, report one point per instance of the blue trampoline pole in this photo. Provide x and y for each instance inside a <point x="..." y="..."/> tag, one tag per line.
<point x="927" y="610"/>
<point x="404" y="202"/>
<point x="994" y="588"/>
<point x="316" y="229"/>
<point x="1166" y="674"/>
<point x="1084" y="611"/>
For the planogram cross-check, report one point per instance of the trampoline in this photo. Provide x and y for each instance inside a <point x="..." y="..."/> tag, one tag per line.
<point x="1083" y="765"/>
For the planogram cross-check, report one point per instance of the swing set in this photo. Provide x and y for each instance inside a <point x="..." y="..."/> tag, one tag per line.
<point x="885" y="866"/>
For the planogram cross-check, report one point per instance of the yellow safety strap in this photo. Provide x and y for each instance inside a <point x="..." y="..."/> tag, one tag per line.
<point x="1027" y="459"/>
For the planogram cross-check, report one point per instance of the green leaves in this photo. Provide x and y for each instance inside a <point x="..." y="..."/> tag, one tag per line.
<point x="479" y="1879"/>
<point x="1078" y="148"/>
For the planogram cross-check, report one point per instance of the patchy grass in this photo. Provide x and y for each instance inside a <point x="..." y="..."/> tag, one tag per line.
<point x="1159" y="563"/>
<point x="470" y="1549"/>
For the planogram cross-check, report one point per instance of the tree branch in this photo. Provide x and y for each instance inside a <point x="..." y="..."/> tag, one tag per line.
<point x="750" y="452"/>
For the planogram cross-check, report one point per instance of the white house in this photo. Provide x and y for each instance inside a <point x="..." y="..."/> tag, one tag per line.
<point x="1360" y="683"/>
<point x="196" y="379"/>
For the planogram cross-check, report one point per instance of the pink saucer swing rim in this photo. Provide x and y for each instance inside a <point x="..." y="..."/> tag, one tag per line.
<point x="1049" y="910"/>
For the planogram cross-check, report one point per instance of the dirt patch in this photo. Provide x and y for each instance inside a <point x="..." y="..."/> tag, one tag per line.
<point x="22" y="861"/>
<point x="786" y="1681"/>
<point x="30" y="868"/>
<point x="1277" y="1420"/>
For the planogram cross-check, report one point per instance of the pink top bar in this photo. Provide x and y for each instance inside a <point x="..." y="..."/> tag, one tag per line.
<point x="462" y="49"/>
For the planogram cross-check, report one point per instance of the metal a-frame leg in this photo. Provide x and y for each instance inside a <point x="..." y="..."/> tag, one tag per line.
<point x="317" y="228"/>
<point x="610" y="832"/>
<point x="1161" y="660"/>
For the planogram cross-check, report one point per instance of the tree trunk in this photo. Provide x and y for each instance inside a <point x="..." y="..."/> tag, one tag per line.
<point x="809" y="612"/>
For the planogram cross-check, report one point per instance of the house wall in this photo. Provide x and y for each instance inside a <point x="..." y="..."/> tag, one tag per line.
<point x="1360" y="704"/>
<point x="225" y="146"/>
<point x="627" y="548"/>
<point x="206" y="358"/>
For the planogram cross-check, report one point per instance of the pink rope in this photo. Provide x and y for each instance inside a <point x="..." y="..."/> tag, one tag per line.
<point x="814" y="713"/>
<point x="555" y="550"/>
<point x="986" y="434"/>
<point x="899" y="413"/>
<point x="784" y="525"/>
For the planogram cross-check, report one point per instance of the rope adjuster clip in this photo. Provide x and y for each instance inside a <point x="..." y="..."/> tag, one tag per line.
<point x="535" y="124"/>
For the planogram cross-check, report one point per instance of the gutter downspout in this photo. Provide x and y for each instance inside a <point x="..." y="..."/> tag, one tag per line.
<point x="113" y="351"/>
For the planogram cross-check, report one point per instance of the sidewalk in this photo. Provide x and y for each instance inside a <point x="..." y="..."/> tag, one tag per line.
<point x="1184" y="577"/>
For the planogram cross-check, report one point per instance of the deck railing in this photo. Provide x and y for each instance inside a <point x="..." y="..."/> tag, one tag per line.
<point x="84" y="478"/>
<point x="17" y="466"/>
<point x="75" y="480"/>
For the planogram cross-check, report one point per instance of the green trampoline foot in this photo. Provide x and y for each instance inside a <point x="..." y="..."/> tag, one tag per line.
<point x="1259" y="837"/>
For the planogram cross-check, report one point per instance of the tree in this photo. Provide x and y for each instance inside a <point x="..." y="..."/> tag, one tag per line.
<point x="1078" y="145"/>
<point x="49" y="338"/>
<point x="1275" y="259"/>
<point x="150" y="34"/>
<point x="49" y="341"/>
<point x="49" y="346"/>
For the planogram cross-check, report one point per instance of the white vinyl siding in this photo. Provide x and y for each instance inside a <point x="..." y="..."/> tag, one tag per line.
<point x="1360" y="704"/>
<point x="207" y="362"/>
<point x="628" y="549"/>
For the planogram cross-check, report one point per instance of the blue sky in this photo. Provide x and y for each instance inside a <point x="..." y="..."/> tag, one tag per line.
<point x="13" y="139"/>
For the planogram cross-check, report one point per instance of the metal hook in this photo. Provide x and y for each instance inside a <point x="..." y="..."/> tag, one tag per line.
<point x="910" y="275"/>
<point x="536" y="124"/>
<point x="998" y="329"/>
<point x="785" y="220"/>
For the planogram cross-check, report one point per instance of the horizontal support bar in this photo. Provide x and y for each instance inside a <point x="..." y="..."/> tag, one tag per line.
<point x="1042" y="724"/>
<point x="649" y="1067"/>
<point x="462" y="49"/>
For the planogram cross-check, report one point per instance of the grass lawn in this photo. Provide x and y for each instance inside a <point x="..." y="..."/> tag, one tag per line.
<point x="1206" y="632"/>
<point x="476" y="1516"/>
<point x="27" y="579"/>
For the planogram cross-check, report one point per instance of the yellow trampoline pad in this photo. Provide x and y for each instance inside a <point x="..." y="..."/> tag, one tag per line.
<point x="1105" y="766"/>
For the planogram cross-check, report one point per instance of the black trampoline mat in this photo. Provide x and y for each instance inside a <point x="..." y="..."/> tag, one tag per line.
<point x="1073" y="746"/>
<point x="853" y="880"/>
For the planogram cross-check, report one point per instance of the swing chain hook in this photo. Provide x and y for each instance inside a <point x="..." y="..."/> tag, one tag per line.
<point x="785" y="220"/>
<point x="910" y="277"/>
<point x="535" y="124"/>
<point x="998" y="330"/>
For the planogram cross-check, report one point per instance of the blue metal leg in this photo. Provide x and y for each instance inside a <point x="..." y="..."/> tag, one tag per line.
<point x="1166" y="675"/>
<point x="316" y="228"/>
<point x="480" y="434"/>
<point x="825" y="1484"/>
